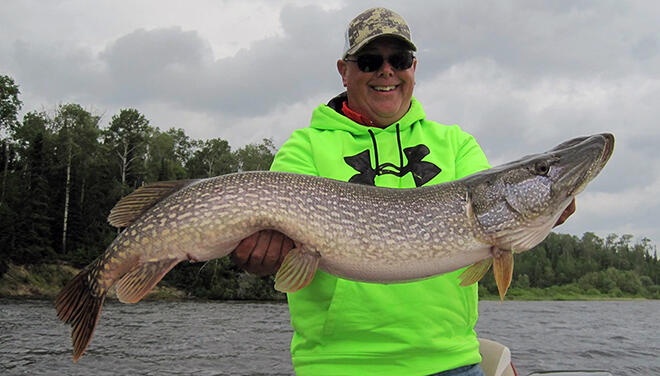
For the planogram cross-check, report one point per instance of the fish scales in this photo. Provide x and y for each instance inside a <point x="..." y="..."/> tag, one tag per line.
<point x="345" y="223"/>
<point x="358" y="232"/>
<point x="333" y="224"/>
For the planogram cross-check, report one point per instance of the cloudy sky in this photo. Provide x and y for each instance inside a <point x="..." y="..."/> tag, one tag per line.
<point x="521" y="76"/>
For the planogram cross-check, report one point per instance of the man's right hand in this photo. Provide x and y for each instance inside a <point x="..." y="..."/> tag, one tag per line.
<point x="262" y="252"/>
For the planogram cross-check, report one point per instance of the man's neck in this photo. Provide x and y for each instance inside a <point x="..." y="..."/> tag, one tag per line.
<point x="356" y="116"/>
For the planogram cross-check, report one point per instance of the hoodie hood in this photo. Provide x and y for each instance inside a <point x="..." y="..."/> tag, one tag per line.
<point x="329" y="117"/>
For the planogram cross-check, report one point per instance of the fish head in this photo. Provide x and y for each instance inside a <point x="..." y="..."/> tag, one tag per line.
<point x="518" y="203"/>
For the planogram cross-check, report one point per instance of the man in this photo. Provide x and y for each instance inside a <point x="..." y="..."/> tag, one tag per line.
<point x="376" y="133"/>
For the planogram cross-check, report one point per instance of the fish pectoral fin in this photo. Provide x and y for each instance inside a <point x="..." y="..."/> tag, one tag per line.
<point x="129" y="208"/>
<point x="476" y="272"/>
<point x="134" y="285"/>
<point x="297" y="270"/>
<point x="502" y="269"/>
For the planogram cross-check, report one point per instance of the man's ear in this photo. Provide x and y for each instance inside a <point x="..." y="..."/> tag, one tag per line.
<point x="414" y="68"/>
<point x="342" y="67"/>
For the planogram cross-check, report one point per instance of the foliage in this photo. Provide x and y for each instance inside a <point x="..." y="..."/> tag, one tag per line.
<point x="9" y="107"/>
<point x="65" y="168"/>
<point x="255" y="157"/>
<point x="126" y="140"/>
<point x="63" y="172"/>
<point x="9" y="104"/>
<point x="211" y="158"/>
<point x="612" y="267"/>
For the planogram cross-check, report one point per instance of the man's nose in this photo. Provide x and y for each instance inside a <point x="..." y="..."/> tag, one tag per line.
<point x="386" y="69"/>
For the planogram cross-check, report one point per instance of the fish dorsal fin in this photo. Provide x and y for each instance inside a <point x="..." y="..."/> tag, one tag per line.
<point x="129" y="208"/>
<point x="297" y="270"/>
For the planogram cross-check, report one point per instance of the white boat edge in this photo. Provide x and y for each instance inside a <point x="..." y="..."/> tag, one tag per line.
<point x="496" y="361"/>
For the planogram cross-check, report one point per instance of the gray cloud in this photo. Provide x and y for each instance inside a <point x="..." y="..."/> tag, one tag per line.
<point x="538" y="39"/>
<point x="150" y="65"/>
<point x="521" y="76"/>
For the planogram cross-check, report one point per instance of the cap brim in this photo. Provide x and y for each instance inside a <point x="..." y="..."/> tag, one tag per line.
<point x="355" y="49"/>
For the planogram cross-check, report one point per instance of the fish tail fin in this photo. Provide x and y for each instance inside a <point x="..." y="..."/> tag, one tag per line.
<point x="76" y="305"/>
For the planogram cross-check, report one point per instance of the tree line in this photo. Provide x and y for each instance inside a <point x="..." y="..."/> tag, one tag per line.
<point x="63" y="171"/>
<point x="588" y="265"/>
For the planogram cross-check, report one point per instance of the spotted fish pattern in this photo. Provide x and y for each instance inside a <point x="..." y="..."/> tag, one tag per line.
<point x="353" y="231"/>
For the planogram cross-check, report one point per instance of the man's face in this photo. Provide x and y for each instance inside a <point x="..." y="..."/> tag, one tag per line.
<point x="384" y="94"/>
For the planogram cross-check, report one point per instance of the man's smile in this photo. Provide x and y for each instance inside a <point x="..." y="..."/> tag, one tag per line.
<point x="384" y="88"/>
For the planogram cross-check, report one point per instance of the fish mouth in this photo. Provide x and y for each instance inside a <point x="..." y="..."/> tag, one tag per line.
<point x="608" y="149"/>
<point x="587" y="157"/>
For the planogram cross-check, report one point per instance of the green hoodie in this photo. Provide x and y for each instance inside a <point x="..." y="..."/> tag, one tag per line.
<point x="352" y="328"/>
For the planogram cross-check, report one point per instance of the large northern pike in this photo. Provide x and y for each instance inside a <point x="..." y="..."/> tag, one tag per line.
<point x="357" y="232"/>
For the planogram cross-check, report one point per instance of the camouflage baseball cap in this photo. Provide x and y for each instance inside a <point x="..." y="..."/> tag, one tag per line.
<point x="374" y="23"/>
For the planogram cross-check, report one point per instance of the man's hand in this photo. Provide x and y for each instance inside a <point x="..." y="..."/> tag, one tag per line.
<point x="570" y="209"/>
<point x="262" y="252"/>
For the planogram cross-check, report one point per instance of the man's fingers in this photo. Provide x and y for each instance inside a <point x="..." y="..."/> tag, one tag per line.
<point x="260" y="249"/>
<point x="262" y="252"/>
<point x="241" y="255"/>
<point x="274" y="250"/>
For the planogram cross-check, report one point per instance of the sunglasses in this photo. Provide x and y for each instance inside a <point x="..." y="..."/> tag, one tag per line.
<point x="371" y="63"/>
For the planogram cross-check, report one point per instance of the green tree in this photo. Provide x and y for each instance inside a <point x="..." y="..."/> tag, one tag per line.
<point x="77" y="133"/>
<point x="29" y="237"/>
<point x="126" y="138"/>
<point x="167" y="155"/>
<point x="36" y="225"/>
<point x="212" y="158"/>
<point x="256" y="157"/>
<point x="183" y="145"/>
<point x="9" y="103"/>
<point x="9" y="107"/>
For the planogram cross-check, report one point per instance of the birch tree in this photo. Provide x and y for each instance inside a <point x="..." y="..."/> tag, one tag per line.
<point x="77" y="132"/>
<point x="126" y="139"/>
<point x="9" y="107"/>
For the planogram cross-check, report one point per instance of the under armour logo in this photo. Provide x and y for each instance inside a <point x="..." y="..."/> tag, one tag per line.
<point x="421" y="171"/>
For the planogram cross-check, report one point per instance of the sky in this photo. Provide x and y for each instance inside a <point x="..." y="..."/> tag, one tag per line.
<point x="521" y="76"/>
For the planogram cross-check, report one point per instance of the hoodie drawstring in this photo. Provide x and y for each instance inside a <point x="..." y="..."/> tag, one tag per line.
<point x="373" y="140"/>
<point x="380" y="170"/>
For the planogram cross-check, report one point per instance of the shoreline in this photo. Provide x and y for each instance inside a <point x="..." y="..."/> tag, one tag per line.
<point x="44" y="281"/>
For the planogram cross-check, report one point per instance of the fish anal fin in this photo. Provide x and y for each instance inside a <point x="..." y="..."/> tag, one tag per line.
<point x="137" y="283"/>
<point x="297" y="270"/>
<point x="476" y="272"/>
<point x="502" y="270"/>
<point x="129" y="208"/>
<point x="76" y="305"/>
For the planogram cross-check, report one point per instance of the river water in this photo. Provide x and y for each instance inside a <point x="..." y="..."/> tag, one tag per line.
<point x="248" y="338"/>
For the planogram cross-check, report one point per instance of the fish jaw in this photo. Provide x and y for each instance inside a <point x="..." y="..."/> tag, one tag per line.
<point x="517" y="204"/>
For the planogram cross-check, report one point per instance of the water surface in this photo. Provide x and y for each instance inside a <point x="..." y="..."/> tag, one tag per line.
<point x="239" y="338"/>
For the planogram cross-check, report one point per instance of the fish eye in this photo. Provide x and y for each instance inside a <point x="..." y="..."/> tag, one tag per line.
<point x="542" y="167"/>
